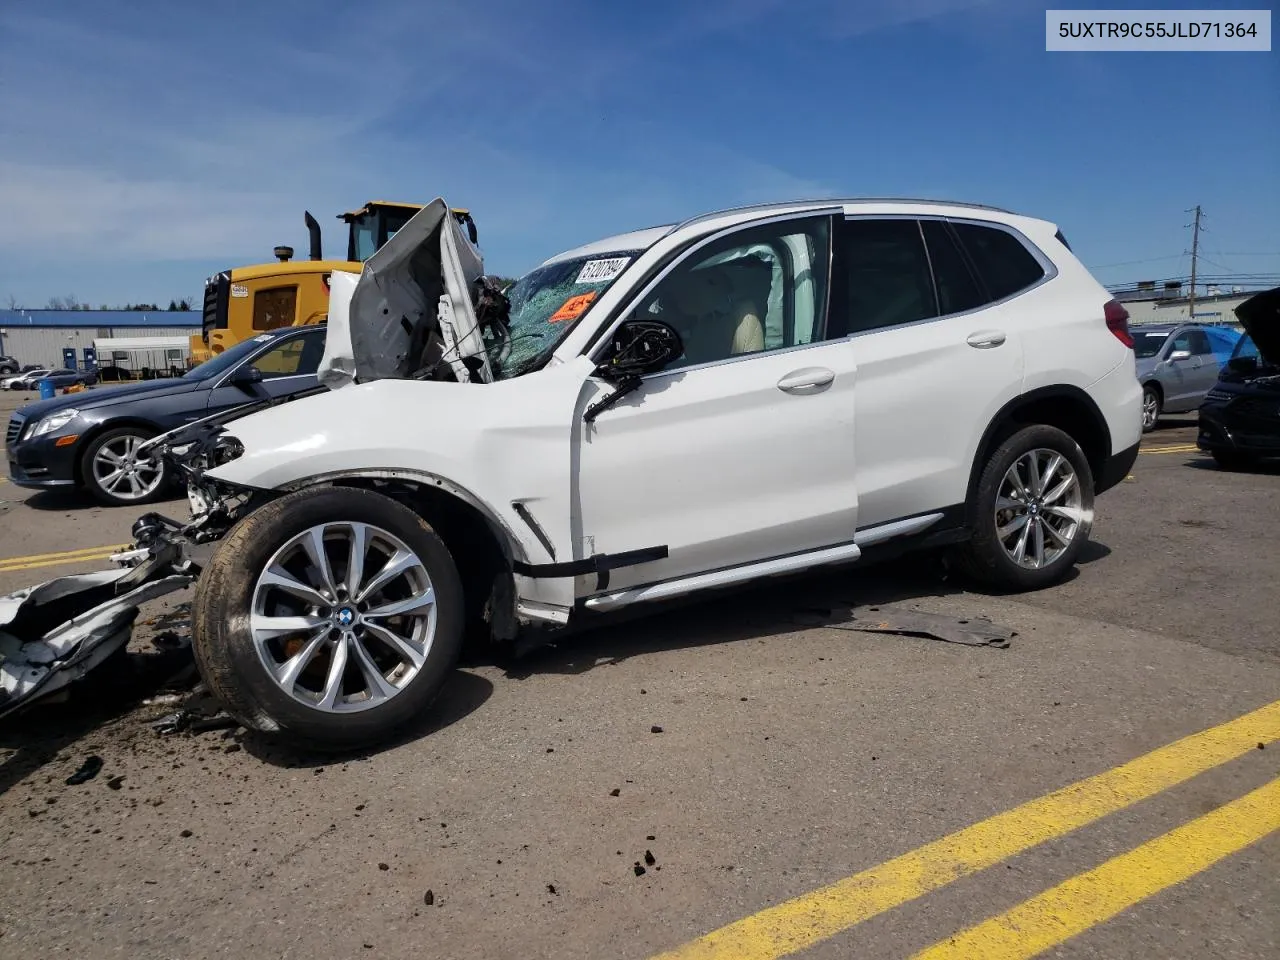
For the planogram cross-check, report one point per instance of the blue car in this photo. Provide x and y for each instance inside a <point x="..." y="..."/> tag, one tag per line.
<point x="90" y="440"/>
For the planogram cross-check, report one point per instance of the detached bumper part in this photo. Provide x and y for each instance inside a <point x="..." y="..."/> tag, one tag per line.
<point x="54" y="633"/>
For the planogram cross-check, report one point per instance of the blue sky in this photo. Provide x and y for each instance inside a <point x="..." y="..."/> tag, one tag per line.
<point x="144" y="145"/>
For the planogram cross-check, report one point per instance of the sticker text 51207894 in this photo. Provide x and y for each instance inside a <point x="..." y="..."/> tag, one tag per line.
<point x="601" y="271"/>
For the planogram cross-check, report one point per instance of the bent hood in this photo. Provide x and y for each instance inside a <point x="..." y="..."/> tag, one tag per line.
<point x="409" y="308"/>
<point x="1260" y="317"/>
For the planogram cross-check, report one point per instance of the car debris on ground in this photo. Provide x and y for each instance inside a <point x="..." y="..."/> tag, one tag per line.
<point x="972" y="631"/>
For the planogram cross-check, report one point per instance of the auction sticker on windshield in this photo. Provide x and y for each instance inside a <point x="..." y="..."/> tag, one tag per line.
<point x="601" y="271"/>
<point x="573" y="308"/>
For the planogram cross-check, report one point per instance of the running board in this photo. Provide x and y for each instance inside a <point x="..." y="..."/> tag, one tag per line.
<point x="895" y="528"/>
<point x="723" y="578"/>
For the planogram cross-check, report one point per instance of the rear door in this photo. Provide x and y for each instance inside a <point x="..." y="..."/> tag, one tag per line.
<point x="938" y="349"/>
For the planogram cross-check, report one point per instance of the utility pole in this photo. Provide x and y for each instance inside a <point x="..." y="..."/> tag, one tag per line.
<point x="1195" y="251"/>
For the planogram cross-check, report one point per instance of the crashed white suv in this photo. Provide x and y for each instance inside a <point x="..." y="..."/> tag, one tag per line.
<point x="746" y="394"/>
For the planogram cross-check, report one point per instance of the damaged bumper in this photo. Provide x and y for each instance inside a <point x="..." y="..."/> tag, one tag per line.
<point x="54" y="633"/>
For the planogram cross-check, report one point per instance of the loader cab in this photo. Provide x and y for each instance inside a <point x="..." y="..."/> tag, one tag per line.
<point x="370" y="227"/>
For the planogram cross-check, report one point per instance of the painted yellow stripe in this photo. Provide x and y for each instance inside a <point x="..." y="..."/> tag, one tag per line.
<point x="1091" y="898"/>
<point x="801" y="922"/>
<point x="56" y="559"/>
<point x="1181" y="448"/>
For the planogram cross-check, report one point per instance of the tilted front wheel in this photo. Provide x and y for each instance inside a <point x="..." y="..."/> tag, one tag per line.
<point x="1032" y="510"/>
<point x="330" y="617"/>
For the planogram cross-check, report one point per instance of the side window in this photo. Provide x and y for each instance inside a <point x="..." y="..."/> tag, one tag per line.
<point x="1199" y="344"/>
<point x="274" y="308"/>
<point x="1181" y="342"/>
<point x="759" y="289"/>
<point x="885" y="274"/>
<point x="297" y="356"/>
<point x="957" y="289"/>
<point x="1005" y="265"/>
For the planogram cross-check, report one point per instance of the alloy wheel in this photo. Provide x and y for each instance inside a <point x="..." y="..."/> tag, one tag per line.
<point x="121" y="472"/>
<point x="1038" y="509"/>
<point x="1150" y="409"/>
<point x="343" y="617"/>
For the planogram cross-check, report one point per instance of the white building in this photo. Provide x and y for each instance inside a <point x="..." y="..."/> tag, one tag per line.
<point x="1168" y="303"/>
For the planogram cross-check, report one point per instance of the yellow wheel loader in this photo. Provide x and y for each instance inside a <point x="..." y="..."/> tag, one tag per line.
<point x="244" y="301"/>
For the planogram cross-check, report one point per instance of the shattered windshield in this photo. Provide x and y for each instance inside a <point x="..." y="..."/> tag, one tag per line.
<point x="546" y="302"/>
<point x="1149" y="344"/>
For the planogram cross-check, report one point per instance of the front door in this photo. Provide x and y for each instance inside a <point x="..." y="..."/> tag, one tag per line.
<point x="1185" y="378"/>
<point x="288" y="367"/>
<point x="742" y="451"/>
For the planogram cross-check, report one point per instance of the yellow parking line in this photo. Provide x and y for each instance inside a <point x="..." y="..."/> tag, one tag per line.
<point x="792" y="926"/>
<point x="1091" y="898"/>
<point x="56" y="559"/>
<point x="1180" y="448"/>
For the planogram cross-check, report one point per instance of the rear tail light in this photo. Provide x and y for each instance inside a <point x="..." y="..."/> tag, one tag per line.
<point x="1118" y="321"/>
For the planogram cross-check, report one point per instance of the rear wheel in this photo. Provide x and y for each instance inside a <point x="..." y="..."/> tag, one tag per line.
<point x="329" y="618"/>
<point x="1032" y="511"/>
<point x="1151" y="404"/>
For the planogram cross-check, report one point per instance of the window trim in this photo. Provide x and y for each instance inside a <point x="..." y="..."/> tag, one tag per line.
<point x="1050" y="268"/>
<point x="302" y="332"/>
<point x="595" y="351"/>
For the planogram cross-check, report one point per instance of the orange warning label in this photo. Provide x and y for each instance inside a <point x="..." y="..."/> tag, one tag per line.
<point x="573" y="308"/>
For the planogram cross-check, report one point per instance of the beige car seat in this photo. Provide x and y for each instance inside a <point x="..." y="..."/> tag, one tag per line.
<point x="714" y="319"/>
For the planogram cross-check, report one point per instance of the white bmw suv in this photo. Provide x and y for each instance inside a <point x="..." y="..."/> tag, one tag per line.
<point x="749" y="393"/>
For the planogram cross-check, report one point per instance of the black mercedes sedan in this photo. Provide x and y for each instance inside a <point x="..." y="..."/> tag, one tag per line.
<point x="91" y="439"/>
<point x="1240" y="416"/>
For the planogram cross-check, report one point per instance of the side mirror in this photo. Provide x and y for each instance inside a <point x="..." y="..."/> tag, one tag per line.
<point x="246" y="377"/>
<point x="1179" y="355"/>
<point x="640" y="347"/>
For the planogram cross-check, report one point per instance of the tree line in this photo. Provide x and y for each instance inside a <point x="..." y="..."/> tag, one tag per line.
<point x="71" y="302"/>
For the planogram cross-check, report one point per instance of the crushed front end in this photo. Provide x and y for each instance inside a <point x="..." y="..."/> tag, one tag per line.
<point x="55" y="632"/>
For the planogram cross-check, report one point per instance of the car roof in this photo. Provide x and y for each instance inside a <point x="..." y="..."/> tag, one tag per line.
<point x="642" y="239"/>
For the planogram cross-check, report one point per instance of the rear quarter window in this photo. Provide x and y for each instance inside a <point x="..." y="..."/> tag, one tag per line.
<point x="1003" y="262"/>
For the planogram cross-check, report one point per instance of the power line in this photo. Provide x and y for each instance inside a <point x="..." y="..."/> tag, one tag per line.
<point x="1129" y="263"/>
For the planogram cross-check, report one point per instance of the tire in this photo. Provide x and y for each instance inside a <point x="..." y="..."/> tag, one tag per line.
<point x="234" y="638"/>
<point x="150" y="482"/>
<point x="985" y="556"/>
<point x="1231" y="460"/>
<point x="1152" y="402"/>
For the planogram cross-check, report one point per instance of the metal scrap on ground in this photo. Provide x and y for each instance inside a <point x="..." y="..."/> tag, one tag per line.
<point x="972" y="631"/>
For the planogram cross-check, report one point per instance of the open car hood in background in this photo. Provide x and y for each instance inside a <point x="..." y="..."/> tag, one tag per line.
<point x="1260" y="317"/>
<point x="413" y="292"/>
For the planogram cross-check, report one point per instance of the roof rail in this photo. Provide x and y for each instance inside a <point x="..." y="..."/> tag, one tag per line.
<point x="839" y="201"/>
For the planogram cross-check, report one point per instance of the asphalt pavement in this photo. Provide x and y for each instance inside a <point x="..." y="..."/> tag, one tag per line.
<point x="732" y="779"/>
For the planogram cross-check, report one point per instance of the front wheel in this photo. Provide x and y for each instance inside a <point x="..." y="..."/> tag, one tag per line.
<point x="118" y="474"/>
<point x="329" y="617"/>
<point x="1032" y="511"/>
<point x="1151" y="404"/>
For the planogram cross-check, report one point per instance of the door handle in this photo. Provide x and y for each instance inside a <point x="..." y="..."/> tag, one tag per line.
<point x="985" y="339"/>
<point x="806" y="380"/>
